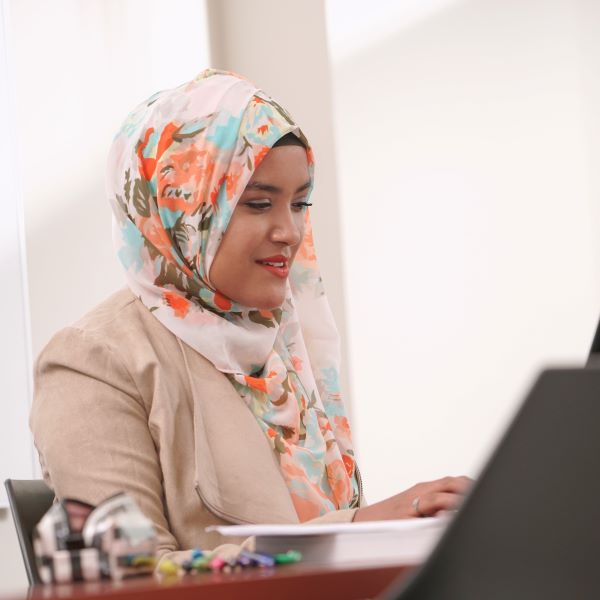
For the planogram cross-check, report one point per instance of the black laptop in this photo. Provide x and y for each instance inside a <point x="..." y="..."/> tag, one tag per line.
<point x="530" y="528"/>
<point x="594" y="356"/>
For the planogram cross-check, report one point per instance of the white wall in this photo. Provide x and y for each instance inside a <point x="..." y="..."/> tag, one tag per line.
<point x="16" y="452"/>
<point x="80" y="67"/>
<point x="467" y="136"/>
<point x="16" y="455"/>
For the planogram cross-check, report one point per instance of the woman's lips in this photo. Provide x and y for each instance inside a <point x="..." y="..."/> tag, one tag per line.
<point x="277" y="265"/>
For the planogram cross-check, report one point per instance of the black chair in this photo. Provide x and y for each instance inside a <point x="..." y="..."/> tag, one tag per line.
<point x="29" y="500"/>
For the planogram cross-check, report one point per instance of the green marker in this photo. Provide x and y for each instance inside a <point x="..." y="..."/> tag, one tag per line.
<point x="289" y="557"/>
<point x="201" y="563"/>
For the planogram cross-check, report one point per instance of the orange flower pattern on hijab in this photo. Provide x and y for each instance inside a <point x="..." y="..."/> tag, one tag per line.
<point x="176" y="170"/>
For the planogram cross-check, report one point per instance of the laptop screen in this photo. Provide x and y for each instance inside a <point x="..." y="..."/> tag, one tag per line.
<point x="594" y="356"/>
<point x="530" y="529"/>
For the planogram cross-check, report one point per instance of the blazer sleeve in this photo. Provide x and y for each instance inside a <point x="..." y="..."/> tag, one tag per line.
<point x="90" y="427"/>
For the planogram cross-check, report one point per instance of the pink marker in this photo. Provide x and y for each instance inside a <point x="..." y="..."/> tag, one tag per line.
<point x="217" y="563"/>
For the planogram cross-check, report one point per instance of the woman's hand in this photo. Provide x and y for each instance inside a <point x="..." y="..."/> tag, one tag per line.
<point x="421" y="500"/>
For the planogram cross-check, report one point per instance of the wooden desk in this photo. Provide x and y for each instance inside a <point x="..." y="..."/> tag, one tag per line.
<point x="290" y="582"/>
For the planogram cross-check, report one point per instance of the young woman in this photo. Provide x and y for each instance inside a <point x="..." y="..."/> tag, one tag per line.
<point x="208" y="389"/>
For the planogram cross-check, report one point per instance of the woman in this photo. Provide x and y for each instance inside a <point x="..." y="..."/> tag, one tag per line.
<point x="208" y="389"/>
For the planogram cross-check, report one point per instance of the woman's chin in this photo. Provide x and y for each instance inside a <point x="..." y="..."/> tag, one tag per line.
<point x="269" y="305"/>
<point x="260" y="295"/>
<point x="269" y="301"/>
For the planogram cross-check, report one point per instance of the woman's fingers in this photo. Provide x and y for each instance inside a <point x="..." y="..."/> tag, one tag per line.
<point x="424" y="499"/>
<point x="458" y="485"/>
<point x="430" y="504"/>
<point x="451" y="485"/>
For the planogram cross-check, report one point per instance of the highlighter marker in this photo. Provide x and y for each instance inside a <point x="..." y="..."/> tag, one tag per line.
<point x="262" y="560"/>
<point x="289" y="557"/>
<point x="217" y="563"/>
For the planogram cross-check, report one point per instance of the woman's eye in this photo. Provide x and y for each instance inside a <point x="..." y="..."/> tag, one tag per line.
<point x="258" y="204"/>
<point x="301" y="205"/>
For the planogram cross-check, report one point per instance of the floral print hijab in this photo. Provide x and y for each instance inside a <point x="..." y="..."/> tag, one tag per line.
<point x="176" y="170"/>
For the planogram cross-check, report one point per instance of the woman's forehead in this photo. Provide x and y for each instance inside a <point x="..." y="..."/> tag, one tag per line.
<point x="283" y="167"/>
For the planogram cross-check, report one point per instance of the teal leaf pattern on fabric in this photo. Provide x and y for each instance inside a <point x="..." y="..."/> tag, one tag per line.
<point x="130" y="253"/>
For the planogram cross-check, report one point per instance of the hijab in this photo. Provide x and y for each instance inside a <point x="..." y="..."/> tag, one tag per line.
<point x="176" y="170"/>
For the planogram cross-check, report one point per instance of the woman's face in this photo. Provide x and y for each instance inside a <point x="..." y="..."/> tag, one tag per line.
<point x="252" y="263"/>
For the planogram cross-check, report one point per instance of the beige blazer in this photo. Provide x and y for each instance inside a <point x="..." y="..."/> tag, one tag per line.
<point x="121" y="404"/>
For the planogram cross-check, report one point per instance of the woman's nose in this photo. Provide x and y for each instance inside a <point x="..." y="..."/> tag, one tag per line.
<point x="288" y="228"/>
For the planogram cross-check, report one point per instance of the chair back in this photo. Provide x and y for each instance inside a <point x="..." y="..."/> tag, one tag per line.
<point x="29" y="500"/>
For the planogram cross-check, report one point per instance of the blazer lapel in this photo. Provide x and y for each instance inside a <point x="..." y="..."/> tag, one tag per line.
<point x="237" y="473"/>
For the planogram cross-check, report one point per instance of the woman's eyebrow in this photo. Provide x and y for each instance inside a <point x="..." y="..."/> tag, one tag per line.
<point x="273" y="189"/>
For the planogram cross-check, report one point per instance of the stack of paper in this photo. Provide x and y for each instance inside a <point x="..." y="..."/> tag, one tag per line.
<point x="406" y="541"/>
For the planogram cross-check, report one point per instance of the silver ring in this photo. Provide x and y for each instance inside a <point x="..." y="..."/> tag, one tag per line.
<point x="415" y="505"/>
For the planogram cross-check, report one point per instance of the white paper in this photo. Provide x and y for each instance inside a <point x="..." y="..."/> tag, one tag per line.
<point x="407" y="525"/>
